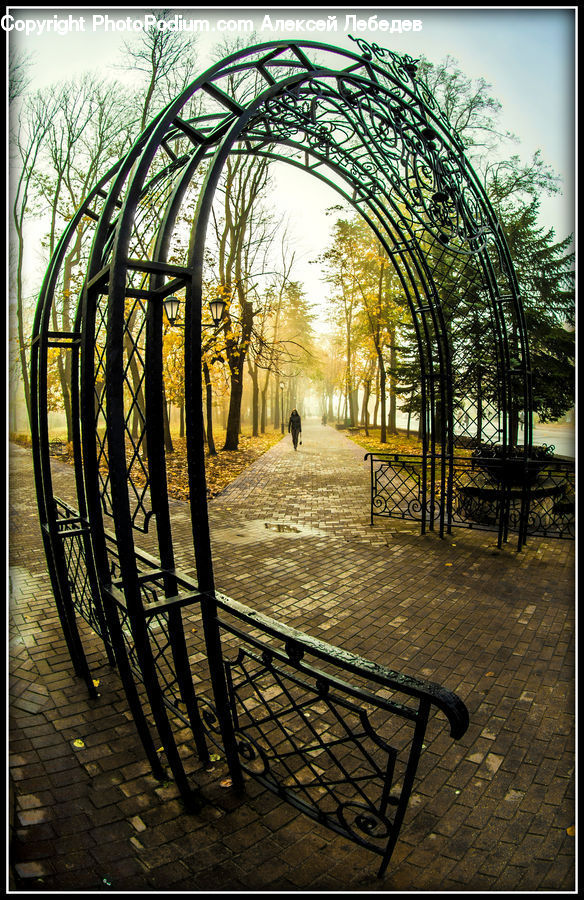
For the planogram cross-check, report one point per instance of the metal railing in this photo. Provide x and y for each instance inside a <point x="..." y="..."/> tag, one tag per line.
<point x="532" y="497"/>
<point x="337" y="736"/>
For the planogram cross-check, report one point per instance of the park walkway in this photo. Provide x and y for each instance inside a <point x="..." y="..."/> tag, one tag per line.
<point x="291" y="536"/>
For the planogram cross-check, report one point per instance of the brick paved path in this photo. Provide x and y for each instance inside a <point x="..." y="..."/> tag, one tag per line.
<point x="292" y="537"/>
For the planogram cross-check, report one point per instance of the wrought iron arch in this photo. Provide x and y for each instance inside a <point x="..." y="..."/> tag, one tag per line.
<point x="363" y="123"/>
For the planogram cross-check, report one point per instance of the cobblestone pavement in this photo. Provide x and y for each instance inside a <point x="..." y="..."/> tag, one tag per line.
<point x="491" y="812"/>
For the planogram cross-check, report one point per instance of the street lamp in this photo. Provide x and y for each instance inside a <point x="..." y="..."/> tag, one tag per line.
<point x="171" y="308"/>
<point x="172" y="305"/>
<point x="217" y="307"/>
<point x="282" y="405"/>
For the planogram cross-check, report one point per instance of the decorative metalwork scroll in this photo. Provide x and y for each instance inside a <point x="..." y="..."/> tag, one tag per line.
<point x="531" y="497"/>
<point x="335" y="735"/>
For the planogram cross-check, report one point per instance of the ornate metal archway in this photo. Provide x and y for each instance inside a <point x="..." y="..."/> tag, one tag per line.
<point x="363" y="123"/>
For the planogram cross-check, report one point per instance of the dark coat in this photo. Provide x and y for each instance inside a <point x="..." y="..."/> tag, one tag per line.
<point x="294" y="424"/>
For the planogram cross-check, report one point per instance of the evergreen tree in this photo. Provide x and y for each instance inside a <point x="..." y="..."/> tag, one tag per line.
<point x="545" y="270"/>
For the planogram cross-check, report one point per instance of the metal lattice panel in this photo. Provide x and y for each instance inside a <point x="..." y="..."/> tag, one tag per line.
<point x="533" y="498"/>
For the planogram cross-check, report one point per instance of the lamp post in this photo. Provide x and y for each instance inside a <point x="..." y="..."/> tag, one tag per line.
<point x="282" y="406"/>
<point x="217" y="307"/>
<point x="172" y="305"/>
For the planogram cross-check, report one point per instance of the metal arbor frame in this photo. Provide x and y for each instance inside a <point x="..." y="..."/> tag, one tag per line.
<point x="363" y="123"/>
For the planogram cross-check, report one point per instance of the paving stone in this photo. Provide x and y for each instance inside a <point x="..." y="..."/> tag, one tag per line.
<point x="34" y="816"/>
<point x="495" y="626"/>
<point x="30" y="870"/>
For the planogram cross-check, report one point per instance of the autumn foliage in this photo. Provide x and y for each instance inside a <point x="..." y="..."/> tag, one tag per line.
<point x="221" y="469"/>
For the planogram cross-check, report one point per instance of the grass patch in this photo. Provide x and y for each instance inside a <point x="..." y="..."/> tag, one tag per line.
<point x="396" y="443"/>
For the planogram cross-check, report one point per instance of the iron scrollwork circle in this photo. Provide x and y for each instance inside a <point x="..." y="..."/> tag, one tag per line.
<point x="380" y="504"/>
<point x="209" y="716"/>
<point x="360" y="819"/>
<point x="251" y="756"/>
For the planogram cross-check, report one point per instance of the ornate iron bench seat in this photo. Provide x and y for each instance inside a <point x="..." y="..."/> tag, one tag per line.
<point x="490" y="493"/>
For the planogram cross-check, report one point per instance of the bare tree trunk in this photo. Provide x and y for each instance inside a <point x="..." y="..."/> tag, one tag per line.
<point x="209" y="408"/>
<point x="365" y="406"/>
<point x="236" y="362"/>
<point x="392" y="420"/>
<point x="277" y="402"/>
<point x="234" y="414"/>
<point x="263" y="409"/>
<point x="168" y="445"/>
<point x="382" y="398"/>
<point x="376" y="407"/>
<point x="22" y="344"/>
<point x="255" y="397"/>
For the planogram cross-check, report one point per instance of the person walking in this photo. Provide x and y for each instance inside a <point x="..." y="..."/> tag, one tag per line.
<point x="295" y="427"/>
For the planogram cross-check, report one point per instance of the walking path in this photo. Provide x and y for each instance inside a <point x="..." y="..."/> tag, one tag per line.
<point x="291" y="536"/>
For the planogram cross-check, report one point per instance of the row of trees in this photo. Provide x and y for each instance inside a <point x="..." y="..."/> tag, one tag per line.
<point x="374" y="336"/>
<point x="64" y="140"/>
<point x="376" y="349"/>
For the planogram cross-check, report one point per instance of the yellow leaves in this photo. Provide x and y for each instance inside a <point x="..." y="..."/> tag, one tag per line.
<point x="221" y="469"/>
<point x="227" y="465"/>
<point x="396" y="443"/>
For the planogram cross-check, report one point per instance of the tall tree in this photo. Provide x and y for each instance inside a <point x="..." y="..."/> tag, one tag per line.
<point x="240" y="230"/>
<point x="27" y="143"/>
<point x="165" y="59"/>
<point x="342" y="272"/>
<point x="543" y="264"/>
<point x="297" y="351"/>
<point x="370" y="299"/>
<point x="84" y="138"/>
<point x="545" y="268"/>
